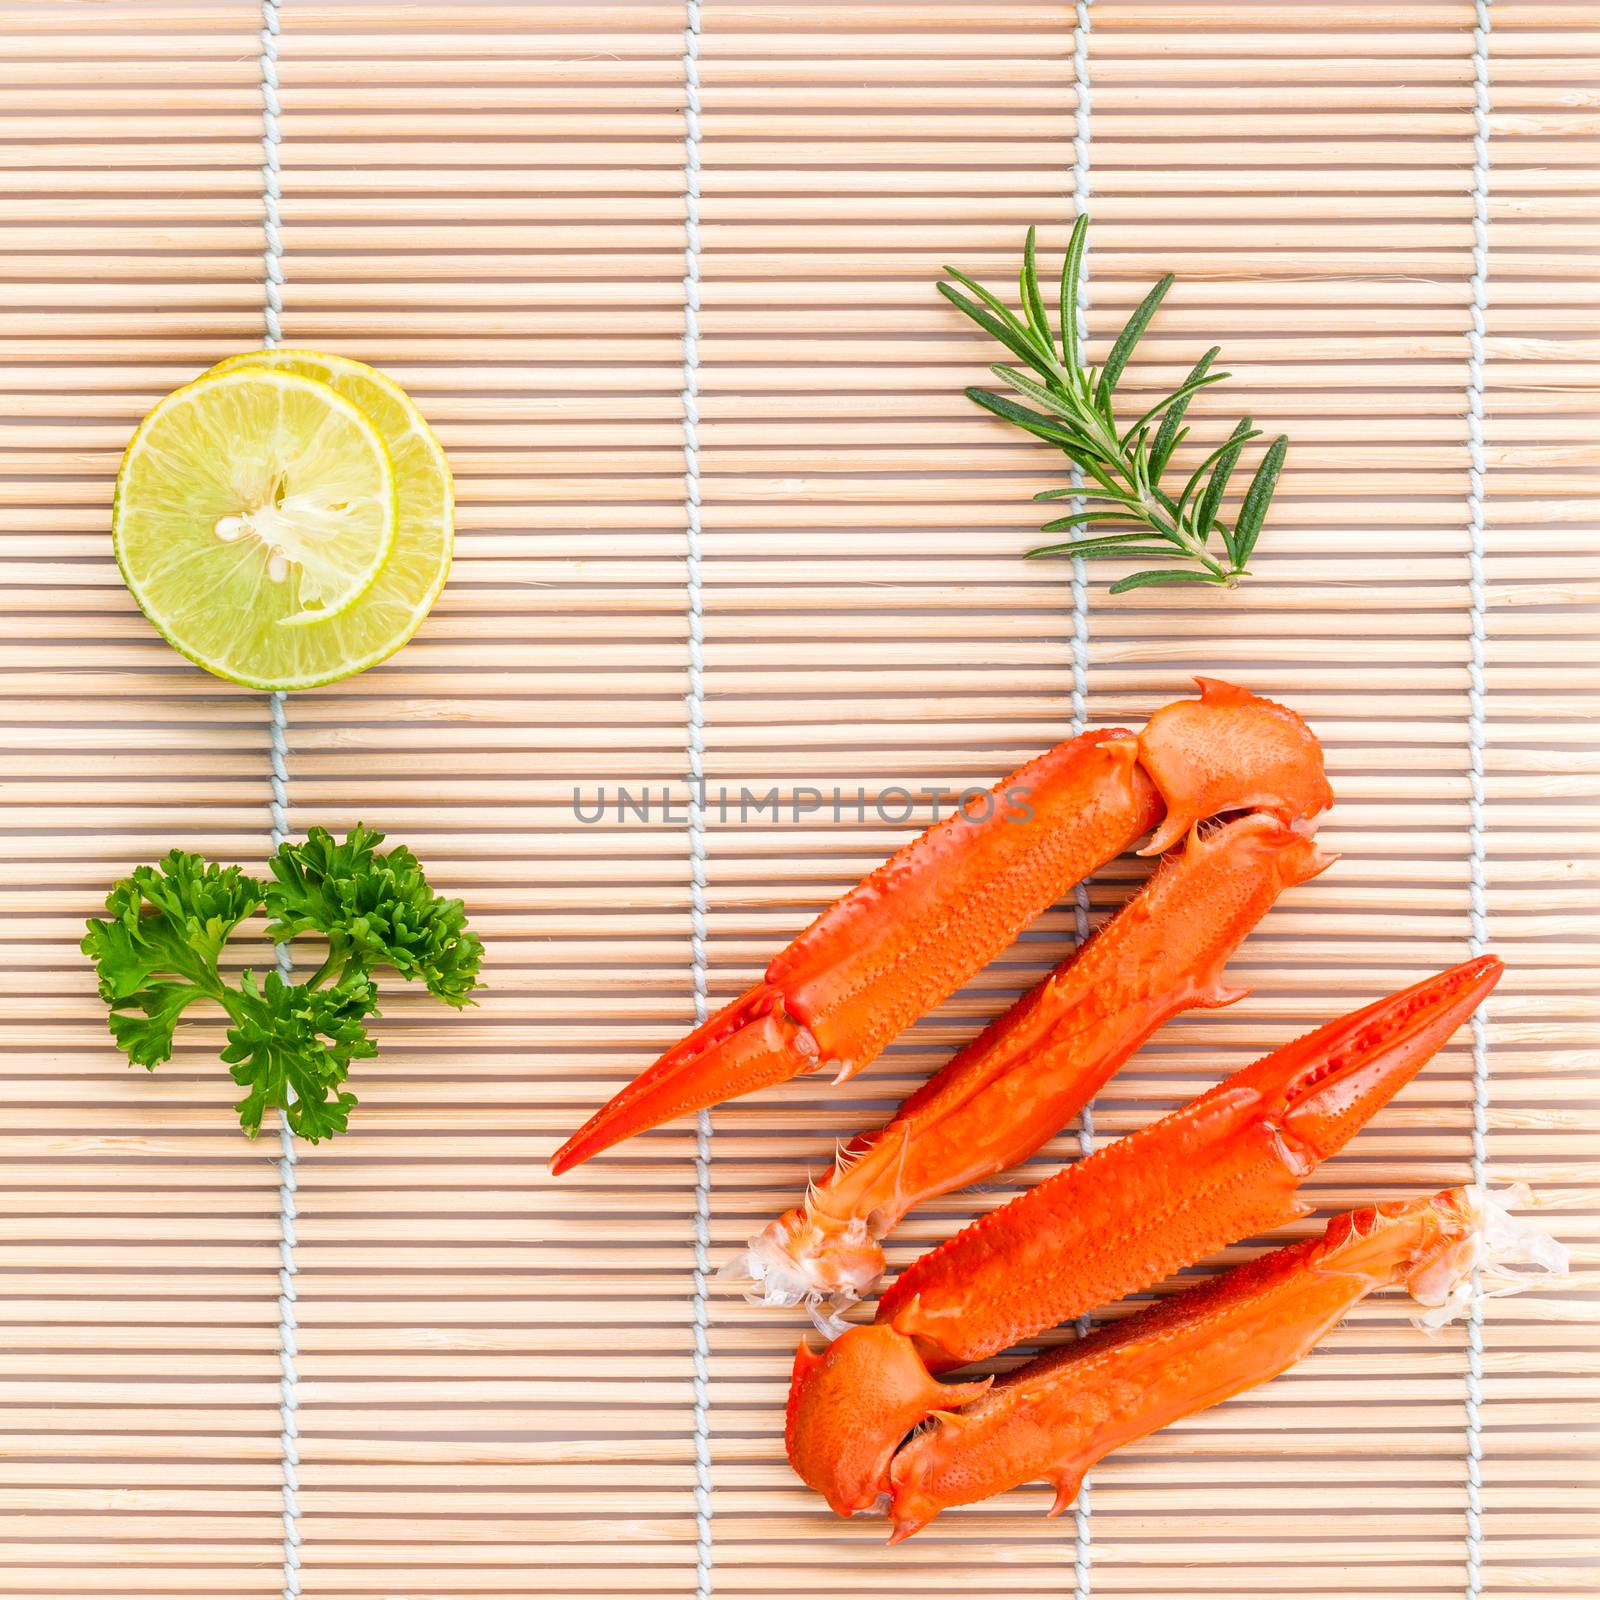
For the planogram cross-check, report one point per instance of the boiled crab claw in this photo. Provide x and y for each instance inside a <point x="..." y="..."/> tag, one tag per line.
<point x="1030" y="1072"/>
<point x="916" y="929"/>
<point x="1225" y="1166"/>
<point x="1056" y="1416"/>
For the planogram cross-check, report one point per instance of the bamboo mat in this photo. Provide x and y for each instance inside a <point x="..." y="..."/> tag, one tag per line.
<point x="497" y="1385"/>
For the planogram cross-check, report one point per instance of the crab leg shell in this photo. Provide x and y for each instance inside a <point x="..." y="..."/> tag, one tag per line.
<point x="1057" y="1416"/>
<point x="903" y="939"/>
<point x="1030" y="1072"/>
<point x="1224" y="1167"/>
<point x="916" y="929"/>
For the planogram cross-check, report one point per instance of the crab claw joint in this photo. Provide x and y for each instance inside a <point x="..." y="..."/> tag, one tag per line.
<point x="1230" y="750"/>
<point x="851" y="1406"/>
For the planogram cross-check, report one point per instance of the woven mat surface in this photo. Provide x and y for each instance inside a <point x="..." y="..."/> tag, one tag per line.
<point x="497" y="1385"/>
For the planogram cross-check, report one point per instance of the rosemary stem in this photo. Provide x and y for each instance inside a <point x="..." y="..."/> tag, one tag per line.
<point x="1154" y="512"/>
<point x="1122" y="470"/>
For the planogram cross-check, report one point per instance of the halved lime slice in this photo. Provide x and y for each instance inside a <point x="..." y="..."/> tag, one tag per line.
<point x="401" y="596"/>
<point x="251" y="506"/>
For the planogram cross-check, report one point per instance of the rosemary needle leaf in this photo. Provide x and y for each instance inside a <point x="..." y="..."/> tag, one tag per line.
<point x="1144" y="580"/>
<point x="1133" y="331"/>
<point x="1088" y="549"/>
<point x="1034" y="421"/>
<point x="1205" y="514"/>
<point x="1247" y="529"/>
<point x="1169" y="447"/>
<point x="1235" y="441"/>
<point x="1009" y="334"/>
<point x="1032" y="302"/>
<point x="1071" y="277"/>
<point x="992" y="301"/>
<point x="1170" y="434"/>
<point x="1039" y="394"/>
<point x="1174" y="406"/>
<point x="1093" y="514"/>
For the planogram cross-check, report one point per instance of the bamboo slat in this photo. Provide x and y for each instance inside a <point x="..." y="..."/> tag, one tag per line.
<point x="497" y="1391"/>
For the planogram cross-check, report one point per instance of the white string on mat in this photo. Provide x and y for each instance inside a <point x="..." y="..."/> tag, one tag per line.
<point x="695" y="720"/>
<point x="271" y="184"/>
<point x="1476" y="696"/>
<point x="1083" y="1537"/>
<point x="288" y="1322"/>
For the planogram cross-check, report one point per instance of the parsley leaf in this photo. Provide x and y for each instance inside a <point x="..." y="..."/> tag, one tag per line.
<point x="157" y="953"/>
<point x="375" y="910"/>
<point x="290" y="1045"/>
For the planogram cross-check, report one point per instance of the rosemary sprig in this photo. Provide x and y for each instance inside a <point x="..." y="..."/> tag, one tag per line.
<point x="1073" y="407"/>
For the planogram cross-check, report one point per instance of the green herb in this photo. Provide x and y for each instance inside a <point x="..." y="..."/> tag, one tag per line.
<point x="290" y="1045"/>
<point x="1073" y="407"/>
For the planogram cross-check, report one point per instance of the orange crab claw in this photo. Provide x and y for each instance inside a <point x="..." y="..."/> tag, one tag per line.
<point x="747" y="1045"/>
<point x="1224" y="1167"/>
<point x="1230" y="750"/>
<point x="903" y="939"/>
<point x="1057" y="1416"/>
<point x="850" y="1407"/>
<point x="915" y="930"/>
<point x="1030" y="1072"/>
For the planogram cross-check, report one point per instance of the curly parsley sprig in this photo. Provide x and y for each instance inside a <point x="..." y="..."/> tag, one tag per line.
<point x="290" y="1045"/>
<point x="1073" y="408"/>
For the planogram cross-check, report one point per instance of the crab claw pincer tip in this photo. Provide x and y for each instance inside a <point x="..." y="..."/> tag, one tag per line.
<point x="1334" y="1080"/>
<point x="749" y="1044"/>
